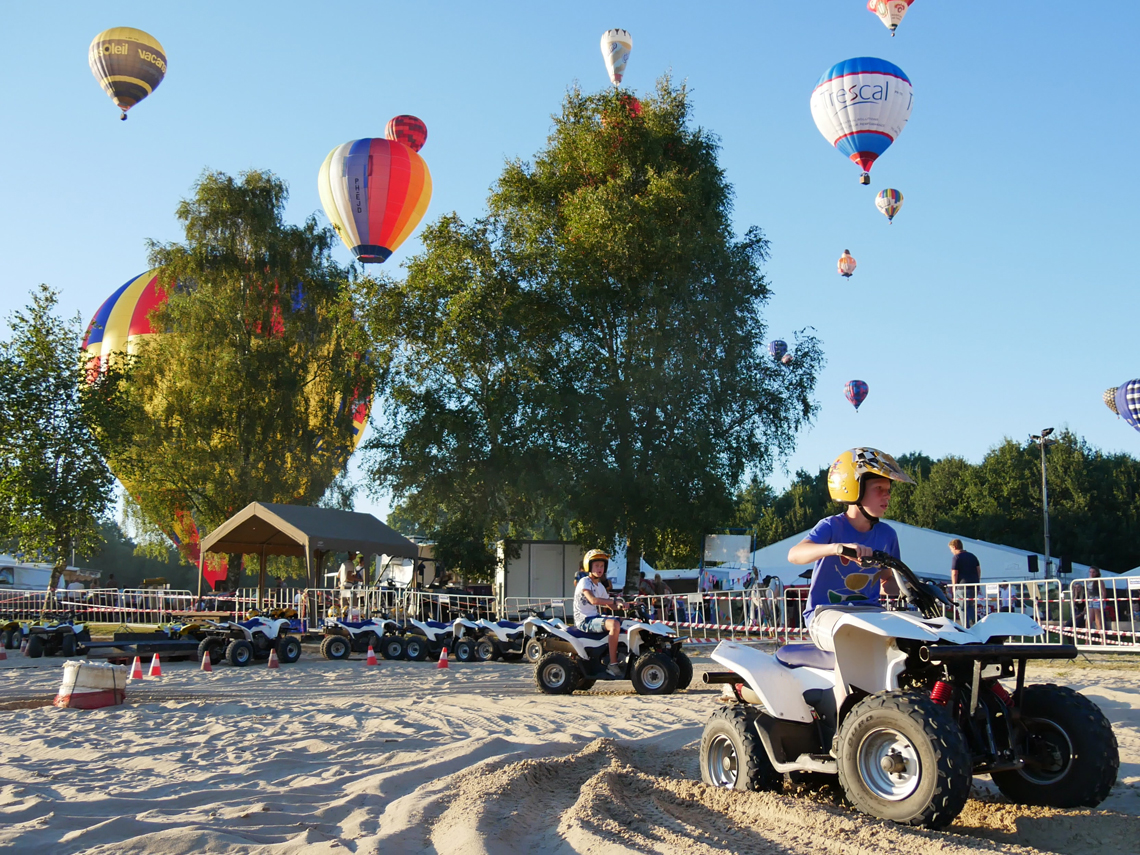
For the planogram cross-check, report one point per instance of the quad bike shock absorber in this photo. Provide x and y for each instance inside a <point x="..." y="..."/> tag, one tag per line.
<point x="942" y="693"/>
<point x="1002" y="695"/>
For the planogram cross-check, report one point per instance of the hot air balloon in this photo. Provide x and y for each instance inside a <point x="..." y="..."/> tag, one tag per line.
<point x="119" y="326"/>
<point x="786" y="359"/>
<point x="777" y="348"/>
<point x="616" y="46"/>
<point x="861" y="106"/>
<point x="890" y="12"/>
<point x="1128" y="402"/>
<point x="855" y="392"/>
<point x="1110" y="399"/>
<point x="128" y="63"/>
<point x="846" y="264"/>
<point x="409" y="130"/>
<point x="375" y="192"/>
<point x="888" y="202"/>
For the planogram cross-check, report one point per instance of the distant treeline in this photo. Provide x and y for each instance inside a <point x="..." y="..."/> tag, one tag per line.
<point x="1094" y="501"/>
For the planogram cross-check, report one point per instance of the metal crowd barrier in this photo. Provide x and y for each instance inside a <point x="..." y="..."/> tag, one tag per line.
<point x="99" y="605"/>
<point x="547" y="608"/>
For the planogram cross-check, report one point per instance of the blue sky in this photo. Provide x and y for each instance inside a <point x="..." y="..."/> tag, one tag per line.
<point x="997" y="304"/>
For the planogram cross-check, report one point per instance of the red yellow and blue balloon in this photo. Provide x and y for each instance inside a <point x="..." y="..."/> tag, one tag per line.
<point x="889" y="202"/>
<point x="860" y="106"/>
<point x="856" y="392"/>
<point x="128" y="63"/>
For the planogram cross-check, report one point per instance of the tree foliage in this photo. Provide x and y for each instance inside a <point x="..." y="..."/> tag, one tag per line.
<point x="588" y="359"/>
<point x="249" y="394"/>
<point x="54" y="486"/>
<point x="1094" y="500"/>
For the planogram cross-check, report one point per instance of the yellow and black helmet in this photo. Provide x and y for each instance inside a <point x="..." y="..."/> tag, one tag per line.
<point x="845" y="478"/>
<point x="594" y="555"/>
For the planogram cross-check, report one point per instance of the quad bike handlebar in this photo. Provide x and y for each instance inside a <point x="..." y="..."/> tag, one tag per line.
<point x="925" y="596"/>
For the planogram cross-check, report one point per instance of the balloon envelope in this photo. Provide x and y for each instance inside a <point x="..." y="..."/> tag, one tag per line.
<point x="1128" y="402"/>
<point x="375" y="193"/>
<point x="846" y="264"/>
<point x="128" y="63"/>
<point x="409" y="130"/>
<point x="860" y="106"/>
<point x="888" y="202"/>
<point x="890" y="12"/>
<point x="1109" y="397"/>
<point x="786" y="359"/>
<point x="855" y="392"/>
<point x="778" y="348"/>
<point x="616" y="47"/>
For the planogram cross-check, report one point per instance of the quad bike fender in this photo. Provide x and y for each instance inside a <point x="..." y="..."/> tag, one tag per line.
<point x="634" y="634"/>
<point x="1004" y="624"/>
<point x="532" y="625"/>
<point x="780" y="689"/>
<point x="828" y="623"/>
<point x="462" y="626"/>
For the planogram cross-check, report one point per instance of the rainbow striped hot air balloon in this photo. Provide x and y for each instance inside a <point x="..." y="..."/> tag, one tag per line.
<point x="861" y="105"/>
<point x="375" y="193"/>
<point x="889" y="202"/>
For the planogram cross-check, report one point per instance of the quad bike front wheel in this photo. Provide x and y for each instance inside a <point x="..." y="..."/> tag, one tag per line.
<point x="67" y="644"/>
<point x="533" y="650"/>
<point x="684" y="668"/>
<point x="392" y="647"/>
<point x="288" y="649"/>
<point x="36" y="647"/>
<point x="335" y="647"/>
<point x="239" y="653"/>
<point x="10" y="639"/>
<point x="655" y="674"/>
<point x="212" y="647"/>
<point x="464" y="650"/>
<point x="416" y="648"/>
<point x="1070" y="751"/>
<point x="901" y="757"/>
<point x="557" y="674"/>
<point x="732" y="755"/>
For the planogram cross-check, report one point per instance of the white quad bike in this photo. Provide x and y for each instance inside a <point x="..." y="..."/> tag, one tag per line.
<point x="241" y="642"/>
<point x="573" y="660"/>
<point x="481" y="640"/>
<point x="343" y="637"/>
<point x="426" y="638"/>
<point x="904" y="707"/>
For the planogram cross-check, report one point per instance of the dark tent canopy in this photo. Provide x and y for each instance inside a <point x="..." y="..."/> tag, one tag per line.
<point x="304" y="532"/>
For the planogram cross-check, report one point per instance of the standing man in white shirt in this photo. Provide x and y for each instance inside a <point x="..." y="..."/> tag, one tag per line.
<point x="589" y="593"/>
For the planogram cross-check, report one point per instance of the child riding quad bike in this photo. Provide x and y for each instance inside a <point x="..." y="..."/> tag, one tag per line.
<point x="241" y="642"/>
<point x="904" y="707"/>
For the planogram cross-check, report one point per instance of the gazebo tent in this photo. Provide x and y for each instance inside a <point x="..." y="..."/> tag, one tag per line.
<point x="305" y="532"/>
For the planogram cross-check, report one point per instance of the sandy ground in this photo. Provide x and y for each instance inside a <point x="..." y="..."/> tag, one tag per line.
<point x="333" y="757"/>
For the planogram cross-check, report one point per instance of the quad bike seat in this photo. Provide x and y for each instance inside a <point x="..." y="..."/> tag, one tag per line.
<point x="580" y="633"/>
<point x="252" y="623"/>
<point x="434" y="624"/>
<point x="357" y="624"/>
<point x="805" y="656"/>
<point x="506" y="624"/>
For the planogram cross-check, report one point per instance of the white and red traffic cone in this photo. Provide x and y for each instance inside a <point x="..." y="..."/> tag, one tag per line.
<point x="24" y="647"/>
<point x="371" y="660"/>
<point x="206" y="666"/>
<point x="155" y="667"/>
<point x="273" y="663"/>
<point x="3" y="653"/>
<point x="443" y="663"/>
<point x="136" y="670"/>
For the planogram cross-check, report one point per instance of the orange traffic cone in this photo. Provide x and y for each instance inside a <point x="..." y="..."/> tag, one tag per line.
<point x="206" y="666"/>
<point x="273" y="663"/>
<point x="443" y="659"/>
<point x="155" y="667"/>
<point x="136" y="670"/>
<point x="371" y="656"/>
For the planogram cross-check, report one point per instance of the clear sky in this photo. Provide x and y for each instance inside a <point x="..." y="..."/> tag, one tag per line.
<point x="1000" y="301"/>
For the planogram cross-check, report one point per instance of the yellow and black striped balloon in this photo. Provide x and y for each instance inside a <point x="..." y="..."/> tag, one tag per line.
<point x="128" y="63"/>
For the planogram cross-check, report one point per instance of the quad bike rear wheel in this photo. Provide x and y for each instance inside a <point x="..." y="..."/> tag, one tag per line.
<point x="215" y="648"/>
<point x="239" y="653"/>
<point x="732" y="755"/>
<point x="684" y="668"/>
<point x="35" y="647"/>
<point x="485" y="650"/>
<point x="557" y="674"/>
<point x="392" y="647"/>
<point x="533" y="650"/>
<point x="464" y="650"/>
<point x="10" y="639"/>
<point x="655" y="674"/>
<point x="335" y="647"/>
<point x="288" y="649"/>
<point x="416" y="648"/>
<point x="67" y="644"/>
<point x="1070" y="751"/>
<point x="901" y="757"/>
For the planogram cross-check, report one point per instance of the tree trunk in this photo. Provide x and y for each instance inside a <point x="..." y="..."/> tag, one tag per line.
<point x="51" y="601"/>
<point x="233" y="573"/>
<point x="632" y="569"/>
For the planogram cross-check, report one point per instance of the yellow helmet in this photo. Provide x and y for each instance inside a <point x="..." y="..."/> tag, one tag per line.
<point x="845" y="478"/>
<point x="594" y="555"/>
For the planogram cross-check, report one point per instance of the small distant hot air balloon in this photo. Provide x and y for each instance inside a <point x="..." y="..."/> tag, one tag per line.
<point x="375" y="193"/>
<point x="860" y="106"/>
<point x="128" y="63"/>
<point x="409" y="130"/>
<point x="888" y="202"/>
<point x="778" y="348"/>
<point x="1110" y="400"/>
<point x="616" y="47"/>
<point x="890" y="12"/>
<point x="846" y="264"/>
<point x="786" y="359"/>
<point x="855" y="392"/>
<point x="1128" y="402"/>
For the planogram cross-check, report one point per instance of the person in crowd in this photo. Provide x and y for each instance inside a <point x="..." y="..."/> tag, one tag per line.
<point x="860" y="478"/>
<point x="347" y="579"/>
<point x="965" y="569"/>
<point x="644" y="586"/>
<point x="589" y="594"/>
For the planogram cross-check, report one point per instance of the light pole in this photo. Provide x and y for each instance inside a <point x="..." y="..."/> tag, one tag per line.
<point x="1043" y="440"/>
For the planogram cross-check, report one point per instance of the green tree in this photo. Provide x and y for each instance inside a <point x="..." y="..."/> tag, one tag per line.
<point x="589" y="357"/>
<point x="250" y="394"/>
<point x="54" y="486"/>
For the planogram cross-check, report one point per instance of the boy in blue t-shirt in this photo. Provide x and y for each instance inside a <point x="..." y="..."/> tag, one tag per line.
<point x="861" y="478"/>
